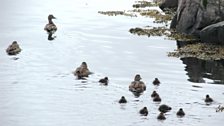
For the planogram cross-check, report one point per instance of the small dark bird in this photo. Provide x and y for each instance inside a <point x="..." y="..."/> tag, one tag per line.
<point x="156" y="81"/>
<point x="157" y="98"/>
<point x="208" y="98"/>
<point x="13" y="49"/>
<point x="122" y="100"/>
<point x="161" y="116"/>
<point x="180" y="113"/>
<point x="164" y="108"/>
<point x="104" y="81"/>
<point x="144" y="111"/>
<point x="154" y="93"/>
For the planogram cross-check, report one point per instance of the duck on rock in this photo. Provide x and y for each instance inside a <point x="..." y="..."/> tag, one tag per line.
<point x="82" y="71"/>
<point x="50" y="27"/>
<point x="13" y="49"/>
<point x="137" y="85"/>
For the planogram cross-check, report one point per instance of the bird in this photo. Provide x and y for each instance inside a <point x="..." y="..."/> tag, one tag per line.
<point x="157" y="98"/>
<point x="137" y="85"/>
<point x="208" y="99"/>
<point x="161" y="116"/>
<point x="164" y="108"/>
<point x="13" y="49"/>
<point x="156" y="81"/>
<point x="122" y="100"/>
<point x="144" y="111"/>
<point x="104" y="81"/>
<point x="82" y="71"/>
<point x="154" y="93"/>
<point x="50" y="27"/>
<point x="180" y="112"/>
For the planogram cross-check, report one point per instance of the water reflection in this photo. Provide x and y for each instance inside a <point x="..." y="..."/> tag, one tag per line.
<point x="198" y="70"/>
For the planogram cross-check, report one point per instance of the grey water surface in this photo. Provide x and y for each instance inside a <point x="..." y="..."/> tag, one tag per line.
<point x="37" y="87"/>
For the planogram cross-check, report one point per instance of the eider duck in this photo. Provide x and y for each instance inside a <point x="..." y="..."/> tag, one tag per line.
<point x="82" y="71"/>
<point x="144" y="111"/>
<point x="122" y="100"/>
<point x="154" y="93"/>
<point x="156" y="81"/>
<point x="13" y="49"/>
<point x="180" y="113"/>
<point x="164" y="108"/>
<point x="104" y="81"/>
<point x="161" y="116"/>
<point x="137" y="85"/>
<point x="50" y="27"/>
<point x="208" y="98"/>
<point x="157" y="98"/>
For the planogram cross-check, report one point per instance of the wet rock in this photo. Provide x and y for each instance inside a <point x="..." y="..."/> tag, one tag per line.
<point x="168" y="4"/>
<point x="194" y="15"/>
<point x="213" y="33"/>
<point x="143" y="4"/>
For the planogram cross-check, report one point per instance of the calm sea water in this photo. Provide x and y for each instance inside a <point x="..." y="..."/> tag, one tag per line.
<point x="39" y="89"/>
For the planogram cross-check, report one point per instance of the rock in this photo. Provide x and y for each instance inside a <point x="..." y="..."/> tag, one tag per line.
<point x="168" y="4"/>
<point x="194" y="15"/>
<point x="213" y="33"/>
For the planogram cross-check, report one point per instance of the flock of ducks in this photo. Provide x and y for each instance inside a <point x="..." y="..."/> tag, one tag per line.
<point x="136" y="87"/>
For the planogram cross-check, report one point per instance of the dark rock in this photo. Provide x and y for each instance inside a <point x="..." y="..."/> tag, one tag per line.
<point x="168" y="4"/>
<point x="173" y="22"/>
<point x="194" y="15"/>
<point x="213" y="34"/>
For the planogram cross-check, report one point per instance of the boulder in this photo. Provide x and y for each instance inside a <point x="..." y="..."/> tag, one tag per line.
<point x="213" y="34"/>
<point x="194" y="15"/>
<point x="168" y="4"/>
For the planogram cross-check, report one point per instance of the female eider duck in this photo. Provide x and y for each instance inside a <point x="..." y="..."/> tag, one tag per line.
<point x="13" y="49"/>
<point x="82" y="71"/>
<point x="137" y="85"/>
<point x="50" y="27"/>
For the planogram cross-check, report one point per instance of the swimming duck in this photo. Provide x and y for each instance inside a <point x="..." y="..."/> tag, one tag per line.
<point x="157" y="98"/>
<point x="161" y="116"/>
<point x="50" y="27"/>
<point x="180" y="113"/>
<point x="137" y="85"/>
<point x="122" y="100"/>
<point x="82" y="71"/>
<point x="208" y="98"/>
<point x="104" y="81"/>
<point x="13" y="49"/>
<point x="154" y="93"/>
<point x="164" y="108"/>
<point x="156" y="81"/>
<point x="144" y="111"/>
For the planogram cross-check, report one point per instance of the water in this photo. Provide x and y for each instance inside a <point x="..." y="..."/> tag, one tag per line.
<point x="38" y="89"/>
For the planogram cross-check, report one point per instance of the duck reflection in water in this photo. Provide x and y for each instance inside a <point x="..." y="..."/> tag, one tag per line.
<point x="51" y="28"/>
<point x="198" y="69"/>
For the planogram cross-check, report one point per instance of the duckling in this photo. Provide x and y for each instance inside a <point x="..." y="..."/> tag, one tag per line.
<point x="208" y="98"/>
<point x="164" y="108"/>
<point x="180" y="113"/>
<point x="122" y="100"/>
<point x="104" y="81"/>
<point x="161" y="116"/>
<point x="50" y="27"/>
<point x="144" y="111"/>
<point x="156" y="81"/>
<point x="82" y="71"/>
<point x="154" y="93"/>
<point x="157" y="98"/>
<point x="13" y="49"/>
<point x="137" y="85"/>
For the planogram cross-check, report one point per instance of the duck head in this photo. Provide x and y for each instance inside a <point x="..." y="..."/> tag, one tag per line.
<point x="137" y="77"/>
